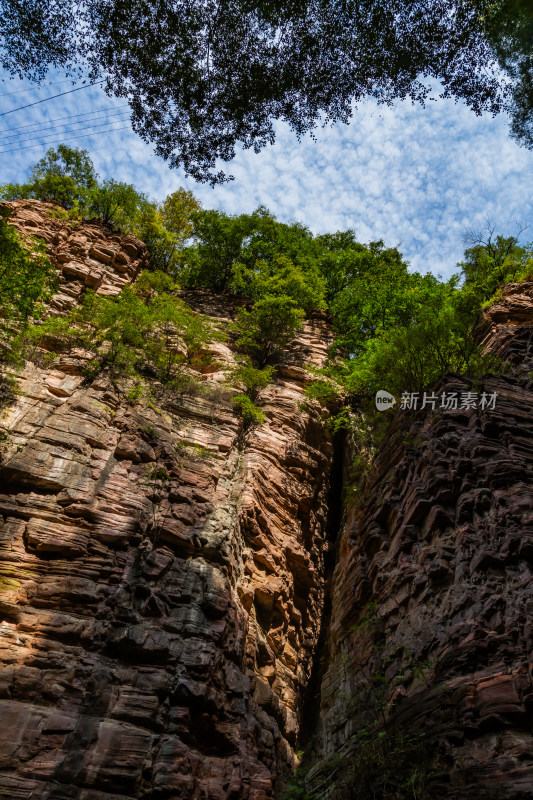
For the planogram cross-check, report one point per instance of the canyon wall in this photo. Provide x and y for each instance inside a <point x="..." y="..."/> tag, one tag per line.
<point x="161" y="573"/>
<point x="430" y="641"/>
<point x="164" y="581"/>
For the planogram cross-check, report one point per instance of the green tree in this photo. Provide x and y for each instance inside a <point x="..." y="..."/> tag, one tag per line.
<point x="508" y="25"/>
<point x="436" y="339"/>
<point x="117" y="202"/>
<point x="211" y="260"/>
<point x="16" y="191"/>
<point x="266" y="239"/>
<point x="493" y="260"/>
<point x="204" y="76"/>
<point x="65" y="176"/>
<point x="372" y="292"/>
<point x="166" y="227"/>
<point x="177" y="211"/>
<point x="252" y="255"/>
<point x="340" y="260"/>
<point x="267" y="328"/>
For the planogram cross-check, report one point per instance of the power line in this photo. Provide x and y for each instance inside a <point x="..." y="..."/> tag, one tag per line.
<point x="34" y="88"/>
<point x="61" y="94"/>
<point x="55" y="135"/>
<point x="58" y="119"/>
<point x="82" y="136"/>
<point x="32" y="135"/>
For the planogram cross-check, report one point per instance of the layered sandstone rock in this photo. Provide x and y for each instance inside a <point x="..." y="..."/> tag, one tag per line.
<point x="161" y="573"/>
<point x="87" y="254"/>
<point x="432" y="596"/>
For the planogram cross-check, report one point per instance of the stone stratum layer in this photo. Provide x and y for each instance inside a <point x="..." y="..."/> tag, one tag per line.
<point x="161" y="573"/>
<point x="431" y="626"/>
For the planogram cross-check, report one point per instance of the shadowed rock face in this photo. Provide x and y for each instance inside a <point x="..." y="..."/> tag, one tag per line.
<point x="433" y="586"/>
<point x="161" y="574"/>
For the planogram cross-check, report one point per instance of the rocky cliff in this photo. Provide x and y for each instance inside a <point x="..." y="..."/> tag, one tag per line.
<point x="430" y="640"/>
<point x="168" y="626"/>
<point x="161" y="576"/>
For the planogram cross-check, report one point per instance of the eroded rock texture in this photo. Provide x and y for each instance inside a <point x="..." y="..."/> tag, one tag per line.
<point x="161" y="575"/>
<point x="432" y="600"/>
<point x="87" y="254"/>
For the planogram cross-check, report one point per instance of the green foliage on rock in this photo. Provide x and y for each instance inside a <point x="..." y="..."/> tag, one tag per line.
<point x="144" y="332"/>
<point x="248" y="410"/>
<point x="27" y="281"/>
<point x="267" y="328"/>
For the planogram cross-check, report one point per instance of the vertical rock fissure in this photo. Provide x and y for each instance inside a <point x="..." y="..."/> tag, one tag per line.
<point x="334" y="527"/>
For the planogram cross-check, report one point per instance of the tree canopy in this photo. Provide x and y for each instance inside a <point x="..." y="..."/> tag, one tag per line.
<point x="203" y="75"/>
<point x="65" y="176"/>
<point x="509" y="28"/>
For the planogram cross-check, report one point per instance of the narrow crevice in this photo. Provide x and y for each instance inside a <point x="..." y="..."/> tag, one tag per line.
<point x="335" y="521"/>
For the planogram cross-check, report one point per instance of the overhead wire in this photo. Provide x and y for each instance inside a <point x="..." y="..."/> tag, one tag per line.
<point x="7" y="132"/>
<point x="45" y="99"/>
<point x="35" y="88"/>
<point x="67" y="139"/>
<point x="42" y="133"/>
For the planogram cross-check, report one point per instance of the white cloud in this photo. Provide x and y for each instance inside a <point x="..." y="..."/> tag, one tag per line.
<point x="419" y="176"/>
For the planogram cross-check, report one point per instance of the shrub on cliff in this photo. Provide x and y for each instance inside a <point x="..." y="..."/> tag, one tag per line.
<point x="146" y="330"/>
<point x="247" y="409"/>
<point x="253" y="379"/>
<point x="267" y="328"/>
<point x="27" y="281"/>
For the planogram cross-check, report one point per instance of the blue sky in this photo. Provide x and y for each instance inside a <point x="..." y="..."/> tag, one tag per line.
<point x="415" y="177"/>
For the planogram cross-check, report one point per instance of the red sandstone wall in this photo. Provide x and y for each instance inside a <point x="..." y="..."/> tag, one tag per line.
<point x="433" y="587"/>
<point x="156" y="636"/>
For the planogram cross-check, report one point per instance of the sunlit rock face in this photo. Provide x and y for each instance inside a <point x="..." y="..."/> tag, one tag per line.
<point x="161" y="574"/>
<point x="432" y="594"/>
<point x="87" y="254"/>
